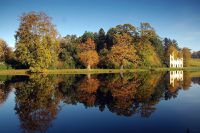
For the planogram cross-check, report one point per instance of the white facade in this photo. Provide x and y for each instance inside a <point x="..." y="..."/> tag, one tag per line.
<point x="175" y="62"/>
<point x="175" y="75"/>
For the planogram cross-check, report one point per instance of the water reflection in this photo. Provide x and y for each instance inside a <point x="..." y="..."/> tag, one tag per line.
<point x="38" y="97"/>
<point x="175" y="75"/>
<point x="5" y="89"/>
<point x="37" y="102"/>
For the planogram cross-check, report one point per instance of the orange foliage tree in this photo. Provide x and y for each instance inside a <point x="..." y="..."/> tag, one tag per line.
<point x="124" y="38"/>
<point x="87" y="53"/>
<point x="121" y="54"/>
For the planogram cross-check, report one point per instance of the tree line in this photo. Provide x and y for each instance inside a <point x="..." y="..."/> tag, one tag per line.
<point x="196" y="54"/>
<point x="39" y="46"/>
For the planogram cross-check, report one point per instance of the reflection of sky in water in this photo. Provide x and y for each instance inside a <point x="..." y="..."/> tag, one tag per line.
<point x="9" y="121"/>
<point x="176" y="114"/>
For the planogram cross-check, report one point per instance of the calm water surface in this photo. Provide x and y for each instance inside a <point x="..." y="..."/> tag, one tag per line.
<point x="136" y="102"/>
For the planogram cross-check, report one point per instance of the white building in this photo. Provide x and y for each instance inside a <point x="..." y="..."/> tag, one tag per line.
<point x="175" y="62"/>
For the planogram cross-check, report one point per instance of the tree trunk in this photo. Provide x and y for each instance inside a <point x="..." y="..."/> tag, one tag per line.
<point x="121" y="67"/>
<point x="121" y="72"/>
<point x="88" y="75"/>
<point x="88" y="67"/>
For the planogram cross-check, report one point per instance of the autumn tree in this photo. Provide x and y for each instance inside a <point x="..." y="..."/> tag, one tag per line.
<point x="149" y="46"/>
<point x="36" y="41"/>
<point x="148" y="56"/>
<point x="6" y="54"/>
<point x="186" y="56"/>
<point x="126" y="28"/>
<point x="170" y="49"/>
<point x="123" y="52"/>
<point x="3" y="50"/>
<point x="119" y="29"/>
<point x="121" y="55"/>
<point x="146" y="31"/>
<point x="123" y="38"/>
<point x="87" y="53"/>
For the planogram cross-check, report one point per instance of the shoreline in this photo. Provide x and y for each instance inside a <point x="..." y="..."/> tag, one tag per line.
<point x="96" y="71"/>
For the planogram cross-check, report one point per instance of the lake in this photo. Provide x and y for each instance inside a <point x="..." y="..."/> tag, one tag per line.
<point x="165" y="102"/>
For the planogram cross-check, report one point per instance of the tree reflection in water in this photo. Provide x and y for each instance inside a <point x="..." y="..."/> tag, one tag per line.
<point x="5" y="89"/>
<point x="37" y="103"/>
<point x="38" y="97"/>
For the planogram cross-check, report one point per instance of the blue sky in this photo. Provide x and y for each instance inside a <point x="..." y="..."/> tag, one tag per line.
<point x="176" y="19"/>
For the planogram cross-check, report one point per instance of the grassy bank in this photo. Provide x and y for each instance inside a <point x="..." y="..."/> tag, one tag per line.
<point x="3" y="66"/>
<point x="13" y="72"/>
<point x="95" y="71"/>
<point x="176" y="69"/>
<point x="195" y="62"/>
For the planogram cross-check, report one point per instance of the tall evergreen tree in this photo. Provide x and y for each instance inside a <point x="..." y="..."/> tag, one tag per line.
<point x="101" y="40"/>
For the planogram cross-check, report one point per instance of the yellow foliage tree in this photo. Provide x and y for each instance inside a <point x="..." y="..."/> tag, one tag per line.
<point x="3" y="50"/>
<point x="186" y="56"/>
<point x="36" y="41"/>
<point x="170" y="50"/>
<point x="88" y="55"/>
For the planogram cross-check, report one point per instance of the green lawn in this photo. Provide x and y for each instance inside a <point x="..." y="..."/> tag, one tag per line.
<point x="195" y="62"/>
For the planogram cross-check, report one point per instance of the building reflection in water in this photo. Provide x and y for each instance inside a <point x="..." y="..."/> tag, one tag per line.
<point x="175" y="75"/>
